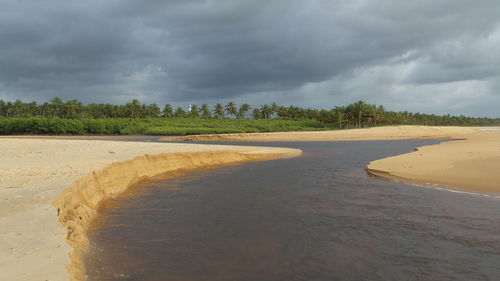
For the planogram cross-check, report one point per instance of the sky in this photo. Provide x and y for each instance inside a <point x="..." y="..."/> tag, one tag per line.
<point x="431" y="56"/>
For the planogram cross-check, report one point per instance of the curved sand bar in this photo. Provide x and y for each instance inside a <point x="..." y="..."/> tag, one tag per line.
<point x="34" y="172"/>
<point x="471" y="163"/>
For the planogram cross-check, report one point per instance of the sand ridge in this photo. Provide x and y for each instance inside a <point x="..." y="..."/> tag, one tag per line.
<point x="34" y="172"/>
<point x="375" y="133"/>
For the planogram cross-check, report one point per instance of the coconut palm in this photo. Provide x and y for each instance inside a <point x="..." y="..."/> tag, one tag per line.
<point x="265" y="111"/>
<point x="168" y="111"/>
<point x="218" y="111"/>
<point x="231" y="108"/>
<point x="205" y="111"/>
<point x="256" y="114"/>
<point x="194" y="112"/>
<point x="179" y="112"/>
<point x="56" y="106"/>
<point x="244" y="108"/>
<point x="71" y="107"/>
<point x="133" y="108"/>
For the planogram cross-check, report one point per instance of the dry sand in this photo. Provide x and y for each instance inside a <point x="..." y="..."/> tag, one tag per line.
<point x="376" y="133"/>
<point x="472" y="163"/>
<point x="34" y="172"/>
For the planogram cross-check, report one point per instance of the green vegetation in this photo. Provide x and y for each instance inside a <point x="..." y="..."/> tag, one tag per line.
<point x="72" y="117"/>
<point x="151" y="126"/>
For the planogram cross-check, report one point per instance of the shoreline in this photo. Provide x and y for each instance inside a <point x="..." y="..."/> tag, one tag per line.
<point x="36" y="175"/>
<point x="365" y="134"/>
<point x="469" y="161"/>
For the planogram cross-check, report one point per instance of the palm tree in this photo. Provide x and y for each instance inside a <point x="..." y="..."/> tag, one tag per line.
<point x="244" y="108"/>
<point x="179" y="112"/>
<point x="205" y="111"/>
<point x="339" y="115"/>
<point x="3" y="109"/>
<point x="168" y="111"/>
<point x="274" y="108"/>
<point x="56" y="104"/>
<point x="109" y="111"/>
<point x="18" y="108"/>
<point x="194" y="112"/>
<point x="295" y="112"/>
<point x="32" y="109"/>
<point x="256" y="113"/>
<point x="133" y="108"/>
<point x="265" y="111"/>
<point x="218" y="111"/>
<point x="231" y="108"/>
<point x="356" y="112"/>
<point x="71" y="107"/>
<point x="153" y="110"/>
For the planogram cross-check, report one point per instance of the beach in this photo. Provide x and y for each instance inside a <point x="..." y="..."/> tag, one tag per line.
<point x="50" y="189"/>
<point x="472" y="164"/>
<point x="375" y="133"/>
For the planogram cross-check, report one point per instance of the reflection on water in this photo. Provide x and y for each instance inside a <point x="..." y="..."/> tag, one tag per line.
<point x="316" y="217"/>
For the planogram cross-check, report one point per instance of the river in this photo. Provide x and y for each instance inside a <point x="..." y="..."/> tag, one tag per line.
<point x="314" y="217"/>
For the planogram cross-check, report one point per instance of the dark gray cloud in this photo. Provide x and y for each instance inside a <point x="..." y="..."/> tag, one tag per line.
<point x="432" y="56"/>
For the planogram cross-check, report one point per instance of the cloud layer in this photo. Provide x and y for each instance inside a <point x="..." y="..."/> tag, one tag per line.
<point x="430" y="56"/>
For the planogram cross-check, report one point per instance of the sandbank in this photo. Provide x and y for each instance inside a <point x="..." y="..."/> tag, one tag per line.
<point x="46" y="180"/>
<point x="375" y="133"/>
<point x="471" y="164"/>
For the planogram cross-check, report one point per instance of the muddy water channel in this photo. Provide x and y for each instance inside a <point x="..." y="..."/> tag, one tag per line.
<point x="315" y="217"/>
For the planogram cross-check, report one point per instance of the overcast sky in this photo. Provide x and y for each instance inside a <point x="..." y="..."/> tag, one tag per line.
<point x="433" y="56"/>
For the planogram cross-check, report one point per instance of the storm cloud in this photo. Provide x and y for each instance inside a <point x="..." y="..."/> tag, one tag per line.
<point x="429" y="56"/>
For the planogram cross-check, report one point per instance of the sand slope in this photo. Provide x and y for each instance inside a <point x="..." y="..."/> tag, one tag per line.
<point x="33" y="173"/>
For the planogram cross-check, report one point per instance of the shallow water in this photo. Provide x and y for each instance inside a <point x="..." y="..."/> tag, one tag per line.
<point x="316" y="217"/>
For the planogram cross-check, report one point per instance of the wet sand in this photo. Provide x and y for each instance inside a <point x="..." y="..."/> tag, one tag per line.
<point x="34" y="172"/>
<point x="470" y="163"/>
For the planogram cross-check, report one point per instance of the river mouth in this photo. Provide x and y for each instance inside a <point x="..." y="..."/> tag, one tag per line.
<point x="316" y="217"/>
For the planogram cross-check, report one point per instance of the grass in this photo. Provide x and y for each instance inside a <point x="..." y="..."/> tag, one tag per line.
<point x="152" y="126"/>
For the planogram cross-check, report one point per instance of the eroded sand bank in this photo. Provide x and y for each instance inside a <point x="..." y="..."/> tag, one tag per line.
<point x="34" y="172"/>
<point x="471" y="163"/>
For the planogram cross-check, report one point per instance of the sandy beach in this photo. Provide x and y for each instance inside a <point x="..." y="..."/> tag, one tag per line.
<point x="50" y="189"/>
<point x="376" y="133"/>
<point x="34" y="173"/>
<point x="471" y="162"/>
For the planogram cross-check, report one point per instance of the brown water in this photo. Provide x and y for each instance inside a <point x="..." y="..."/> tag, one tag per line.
<point x="316" y="217"/>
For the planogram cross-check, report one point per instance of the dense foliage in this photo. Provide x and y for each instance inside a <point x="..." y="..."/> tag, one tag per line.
<point x="73" y="117"/>
<point x="152" y="126"/>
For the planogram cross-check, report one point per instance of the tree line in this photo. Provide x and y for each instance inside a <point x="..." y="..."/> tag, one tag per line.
<point x="355" y="115"/>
